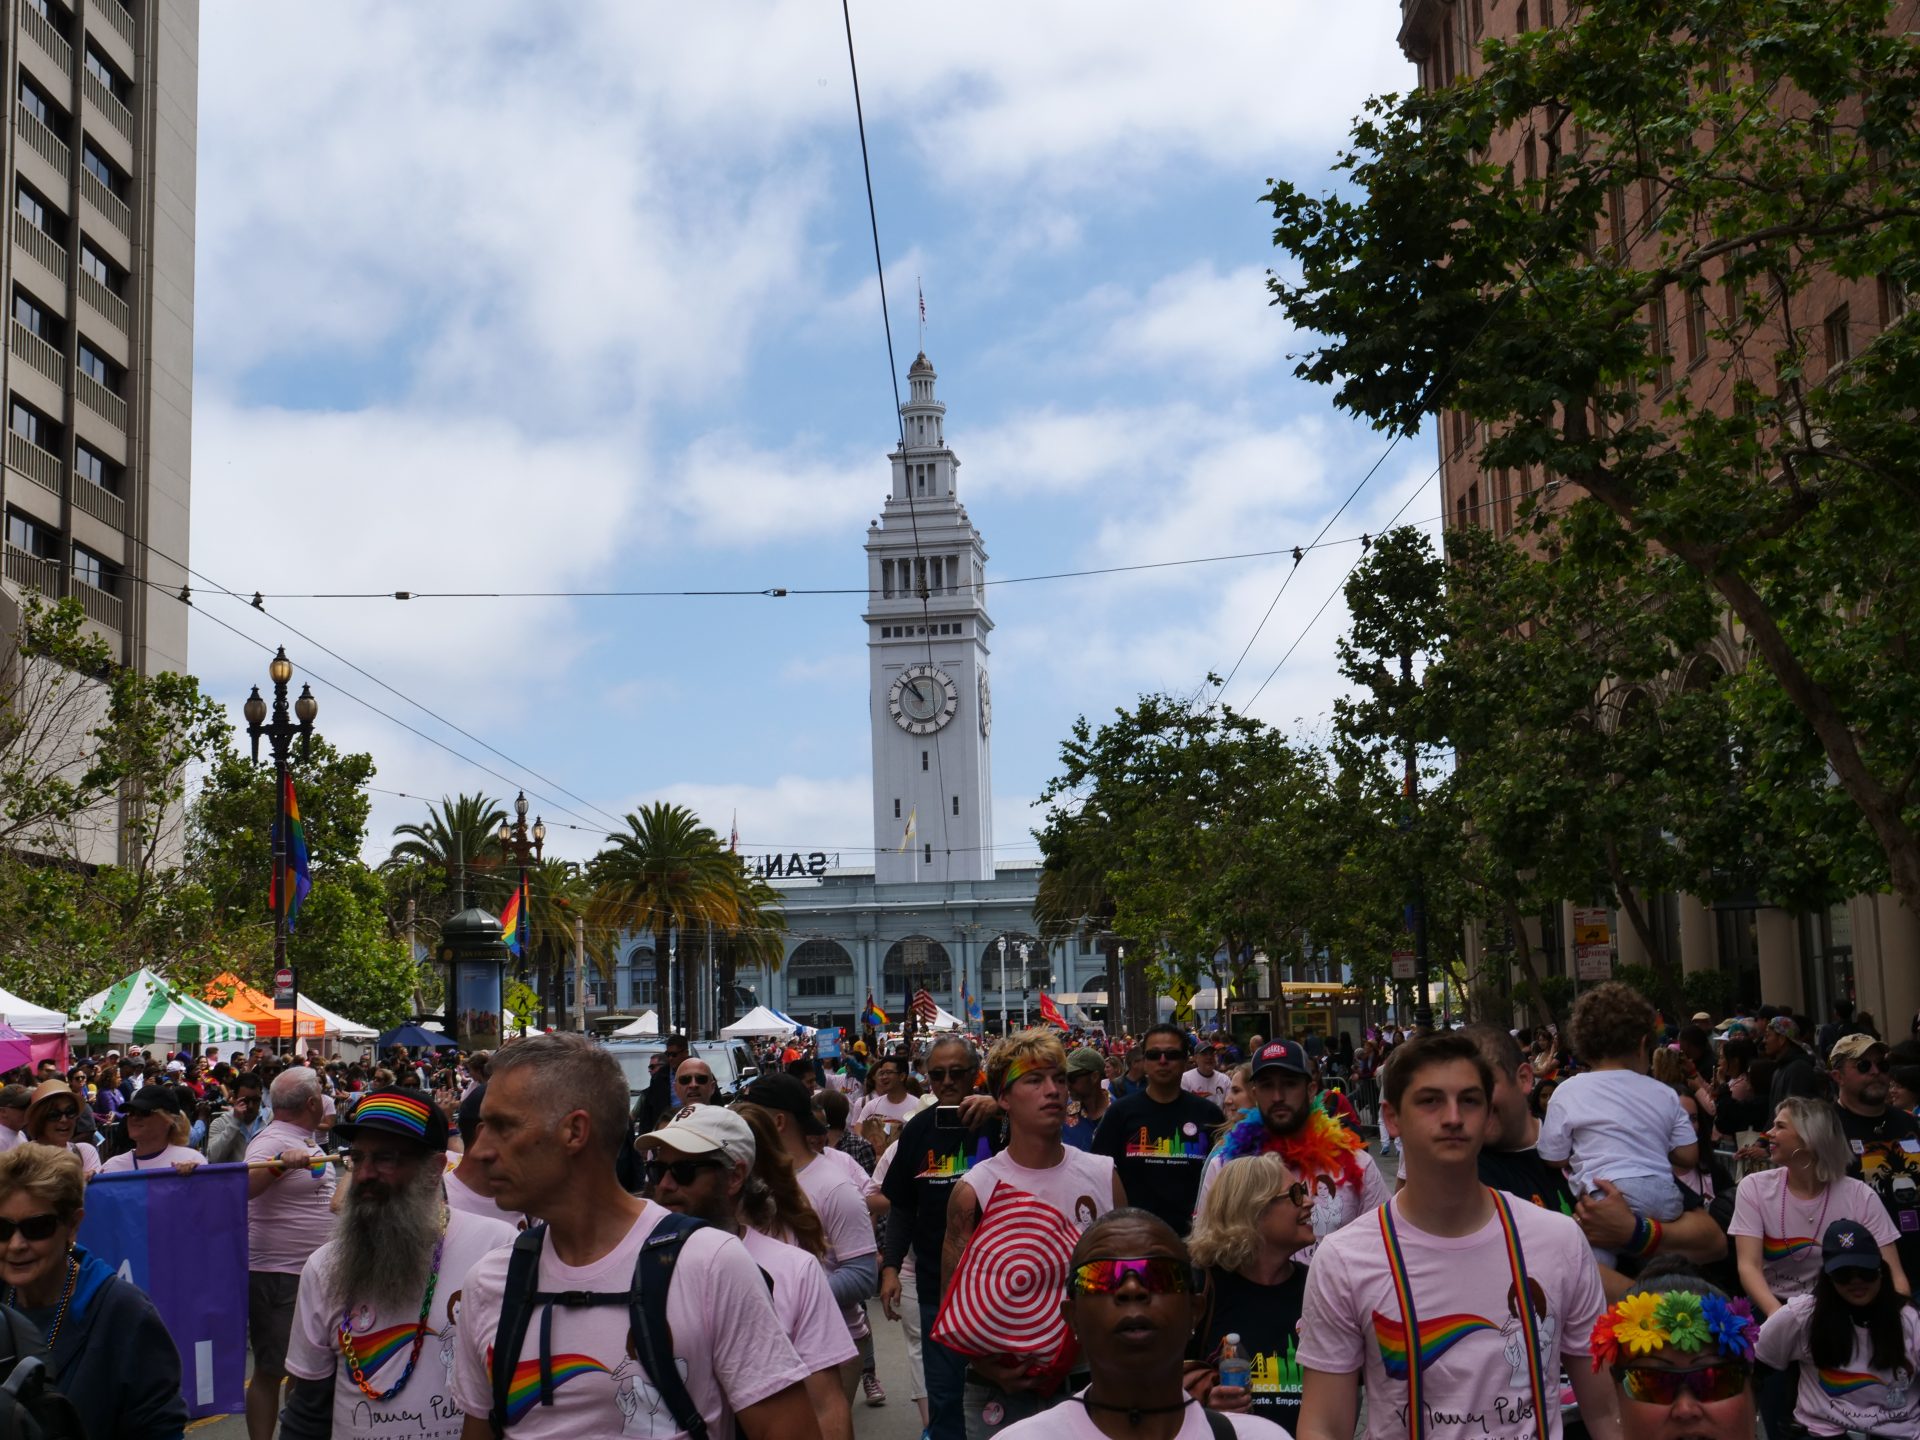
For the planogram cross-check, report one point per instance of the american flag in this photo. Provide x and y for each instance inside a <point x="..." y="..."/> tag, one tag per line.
<point x="924" y="1008"/>
<point x="923" y="302"/>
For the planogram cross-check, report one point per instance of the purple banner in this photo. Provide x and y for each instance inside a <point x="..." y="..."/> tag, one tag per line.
<point x="183" y="1240"/>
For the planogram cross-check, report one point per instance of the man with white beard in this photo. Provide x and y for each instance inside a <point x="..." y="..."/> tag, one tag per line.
<point x="373" y="1329"/>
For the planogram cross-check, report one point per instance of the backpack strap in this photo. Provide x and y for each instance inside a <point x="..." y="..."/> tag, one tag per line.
<point x="516" y="1313"/>
<point x="647" y="1318"/>
<point x="1218" y="1426"/>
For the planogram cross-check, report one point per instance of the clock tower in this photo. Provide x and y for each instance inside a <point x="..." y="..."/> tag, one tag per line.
<point x="930" y="702"/>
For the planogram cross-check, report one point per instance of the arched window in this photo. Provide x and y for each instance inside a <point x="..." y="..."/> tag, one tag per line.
<point x="642" y="976"/>
<point x="922" y="958"/>
<point x="820" y="968"/>
<point x="1039" y="962"/>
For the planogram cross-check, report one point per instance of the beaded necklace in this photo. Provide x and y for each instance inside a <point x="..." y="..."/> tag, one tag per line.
<point x="355" y="1370"/>
<point x="66" y="1297"/>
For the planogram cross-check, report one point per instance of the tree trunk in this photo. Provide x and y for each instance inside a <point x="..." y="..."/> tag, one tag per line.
<point x="1523" y="951"/>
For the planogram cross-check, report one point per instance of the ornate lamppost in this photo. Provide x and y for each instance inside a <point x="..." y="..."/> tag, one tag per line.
<point x="279" y="733"/>
<point x="523" y="843"/>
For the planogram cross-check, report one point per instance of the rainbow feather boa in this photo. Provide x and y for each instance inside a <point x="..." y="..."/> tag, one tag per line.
<point x="1321" y="1147"/>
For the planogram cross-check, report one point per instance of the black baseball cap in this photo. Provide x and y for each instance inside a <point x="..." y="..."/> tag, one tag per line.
<point x="1283" y="1055"/>
<point x="1848" y="1245"/>
<point x="392" y="1110"/>
<point x="783" y="1092"/>
<point x="155" y="1099"/>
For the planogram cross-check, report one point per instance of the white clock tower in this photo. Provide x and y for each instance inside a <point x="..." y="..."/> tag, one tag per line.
<point x="927" y="625"/>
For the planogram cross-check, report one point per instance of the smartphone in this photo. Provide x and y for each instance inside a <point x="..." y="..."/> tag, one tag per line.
<point x="947" y="1117"/>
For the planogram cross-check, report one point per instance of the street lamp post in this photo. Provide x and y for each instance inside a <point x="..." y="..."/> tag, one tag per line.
<point x="524" y="843"/>
<point x="1023" y="984"/>
<point x="279" y="733"/>
<point x="1002" y="943"/>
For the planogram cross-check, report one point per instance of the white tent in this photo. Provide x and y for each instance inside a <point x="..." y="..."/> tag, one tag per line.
<point x="28" y="1018"/>
<point x="759" y="1022"/>
<point x="648" y="1023"/>
<point x="144" y="1009"/>
<point x="803" y="1029"/>
<point x="335" y="1024"/>
<point x="944" y="1021"/>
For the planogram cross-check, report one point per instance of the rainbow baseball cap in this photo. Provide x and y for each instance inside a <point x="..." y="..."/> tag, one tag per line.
<point x="398" y="1111"/>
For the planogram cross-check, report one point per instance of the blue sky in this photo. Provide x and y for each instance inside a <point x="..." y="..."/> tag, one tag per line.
<point x="581" y="297"/>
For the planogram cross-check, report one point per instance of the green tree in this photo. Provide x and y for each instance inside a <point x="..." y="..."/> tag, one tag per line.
<point x="1755" y="148"/>
<point x="452" y="858"/>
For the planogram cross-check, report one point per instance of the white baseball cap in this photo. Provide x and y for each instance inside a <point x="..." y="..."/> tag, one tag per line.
<point x="174" y="1067"/>
<point x="704" y="1130"/>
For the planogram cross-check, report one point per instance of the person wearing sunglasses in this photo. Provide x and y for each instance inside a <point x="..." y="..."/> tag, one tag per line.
<point x="1428" y="1300"/>
<point x="1884" y="1138"/>
<point x="1855" y="1341"/>
<point x="157" y="1126"/>
<point x="702" y="1164"/>
<point x="1680" y="1355"/>
<point x="1158" y="1138"/>
<point x="54" y="1118"/>
<point x="1259" y="1216"/>
<point x="1133" y="1297"/>
<point x="107" y="1349"/>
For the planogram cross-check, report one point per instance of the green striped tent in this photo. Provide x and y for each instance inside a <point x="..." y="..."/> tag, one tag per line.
<point x="143" y="1009"/>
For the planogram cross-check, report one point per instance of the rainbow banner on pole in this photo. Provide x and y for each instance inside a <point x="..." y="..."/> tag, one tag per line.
<point x="299" y="877"/>
<point x="510" y="921"/>
<point x="874" y="1015"/>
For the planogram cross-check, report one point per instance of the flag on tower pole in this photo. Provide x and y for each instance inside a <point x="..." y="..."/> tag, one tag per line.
<point x="913" y="819"/>
<point x="733" y="842"/>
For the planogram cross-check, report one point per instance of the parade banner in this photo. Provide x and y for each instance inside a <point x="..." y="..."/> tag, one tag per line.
<point x="183" y="1240"/>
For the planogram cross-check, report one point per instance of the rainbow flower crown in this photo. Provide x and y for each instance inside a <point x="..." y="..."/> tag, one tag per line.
<point x="1641" y="1324"/>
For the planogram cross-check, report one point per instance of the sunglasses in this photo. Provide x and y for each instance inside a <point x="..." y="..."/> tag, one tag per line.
<point x="1871" y="1067"/>
<point x="1164" y="1056"/>
<point x="65" y="1112"/>
<point x="949" y="1072"/>
<point x="1299" y="1194"/>
<point x="1156" y="1274"/>
<point x="390" y="1160"/>
<point x="694" y="1079"/>
<point x="1708" y="1383"/>
<point x="34" y="1227"/>
<point x="684" y="1172"/>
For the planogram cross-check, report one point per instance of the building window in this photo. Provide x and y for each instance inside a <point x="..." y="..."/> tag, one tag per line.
<point x="896" y="807"/>
<point x="1503" y="515"/>
<point x="1657" y="338"/>
<point x="1696" y="325"/>
<point x="928" y="857"/>
<point x="103" y="169"/>
<point x="1893" y="299"/>
<point x="96" y="468"/>
<point x="1520" y="19"/>
<point x="96" y="570"/>
<point x="48" y="222"/>
<point x="956" y="804"/>
<point x="923" y="760"/>
<point x="1460" y="512"/>
<point x="34" y="101"/>
<point x="886" y="579"/>
<point x="1839" y="328"/>
<point x="102" y="70"/>
<point x="30" y="424"/>
<point x="101" y="268"/>
<point x="28" y="314"/>
<point x="1473" y="503"/>
<point x="24" y="534"/>
<point x="93" y="363"/>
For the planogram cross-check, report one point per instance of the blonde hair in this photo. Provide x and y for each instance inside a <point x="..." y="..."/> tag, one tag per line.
<point x="48" y="1173"/>
<point x="774" y="1203"/>
<point x="1226" y="1235"/>
<point x="1241" y="1075"/>
<point x="1667" y="1068"/>
<point x="1026" y="1048"/>
<point x="1818" y="1124"/>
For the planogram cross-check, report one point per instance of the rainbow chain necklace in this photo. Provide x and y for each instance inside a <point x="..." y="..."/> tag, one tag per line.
<point x="66" y="1298"/>
<point x="356" y="1371"/>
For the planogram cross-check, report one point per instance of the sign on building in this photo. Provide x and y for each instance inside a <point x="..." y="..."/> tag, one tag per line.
<point x="1592" y="943"/>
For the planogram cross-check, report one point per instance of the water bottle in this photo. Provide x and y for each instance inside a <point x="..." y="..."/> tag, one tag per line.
<point x="1236" y="1368"/>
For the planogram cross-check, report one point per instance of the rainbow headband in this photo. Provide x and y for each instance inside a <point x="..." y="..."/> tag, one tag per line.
<point x="402" y="1110"/>
<point x="1693" y="1324"/>
<point x="1024" y="1066"/>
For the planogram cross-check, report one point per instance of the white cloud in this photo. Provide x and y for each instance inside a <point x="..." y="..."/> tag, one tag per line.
<point x="1201" y="320"/>
<point x="733" y="493"/>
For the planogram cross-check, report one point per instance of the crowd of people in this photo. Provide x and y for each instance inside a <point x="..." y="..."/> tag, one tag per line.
<point x="1614" y="1228"/>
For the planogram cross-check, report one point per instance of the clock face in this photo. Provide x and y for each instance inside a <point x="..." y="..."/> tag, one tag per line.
<point x="923" y="699"/>
<point x="986" y="706"/>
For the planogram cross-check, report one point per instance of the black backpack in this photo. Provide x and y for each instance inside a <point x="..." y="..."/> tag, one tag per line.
<point x="646" y="1302"/>
<point x="30" y="1408"/>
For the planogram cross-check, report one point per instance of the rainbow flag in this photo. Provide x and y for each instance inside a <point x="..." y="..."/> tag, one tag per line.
<point x="510" y="921"/>
<point x="299" y="877"/>
<point x="874" y="1015"/>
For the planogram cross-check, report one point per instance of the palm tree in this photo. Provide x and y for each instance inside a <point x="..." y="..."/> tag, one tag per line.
<point x="753" y="939"/>
<point x="460" y="833"/>
<point x="557" y="894"/>
<point x="666" y="871"/>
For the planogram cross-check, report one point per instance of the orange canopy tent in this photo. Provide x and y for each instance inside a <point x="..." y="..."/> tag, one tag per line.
<point x="231" y="995"/>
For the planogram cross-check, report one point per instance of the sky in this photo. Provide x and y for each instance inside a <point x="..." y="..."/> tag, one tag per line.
<point x="565" y="298"/>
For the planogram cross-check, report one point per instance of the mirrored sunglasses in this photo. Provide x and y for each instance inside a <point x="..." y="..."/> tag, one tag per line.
<point x="1708" y="1383"/>
<point x="1157" y="1275"/>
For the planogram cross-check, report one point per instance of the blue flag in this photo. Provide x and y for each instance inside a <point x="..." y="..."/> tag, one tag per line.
<point x="153" y="1228"/>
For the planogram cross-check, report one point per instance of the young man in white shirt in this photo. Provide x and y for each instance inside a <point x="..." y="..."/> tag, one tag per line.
<point x="1454" y="1305"/>
<point x="1206" y="1081"/>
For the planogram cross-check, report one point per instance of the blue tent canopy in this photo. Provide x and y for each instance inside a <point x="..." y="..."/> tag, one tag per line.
<point x="414" y="1037"/>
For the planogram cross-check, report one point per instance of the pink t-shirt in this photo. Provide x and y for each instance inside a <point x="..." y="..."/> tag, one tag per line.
<point x="292" y="1217"/>
<point x="1080" y="1187"/>
<point x="727" y="1342"/>
<point x="165" y="1160"/>
<point x="803" y="1301"/>
<point x="1854" y="1397"/>
<point x="849" y="1228"/>
<point x="850" y="1169"/>
<point x="1790" y="1227"/>
<point x="383" y="1341"/>
<point x="1474" y="1375"/>
<point x="1070" y="1420"/>
<point x="459" y="1197"/>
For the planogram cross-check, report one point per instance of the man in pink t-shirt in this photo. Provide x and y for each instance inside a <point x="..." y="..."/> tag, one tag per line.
<point x="551" y="1128"/>
<point x="700" y="1164"/>
<point x="1451" y="1298"/>
<point x="289" y="1216"/>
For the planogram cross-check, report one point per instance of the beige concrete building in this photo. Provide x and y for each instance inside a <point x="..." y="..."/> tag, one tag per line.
<point x="99" y="152"/>
<point x="1865" y="950"/>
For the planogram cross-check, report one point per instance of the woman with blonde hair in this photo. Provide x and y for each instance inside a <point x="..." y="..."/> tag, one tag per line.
<point x="126" y="1382"/>
<point x="774" y="1203"/>
<point x="157" y="1126"/>
<point x="1259" y="1214"/>
<point x="53" y="1118"/>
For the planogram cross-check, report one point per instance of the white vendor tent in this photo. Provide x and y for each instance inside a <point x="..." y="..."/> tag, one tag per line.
<point x="647" y="1023"/>
<point x="760" y="1022"/>
<point x="29" y="1018"/>
<point x="942" y="1020"/>
<point x="144" y="1009"/>
<point x="803" y="1029"/>
<point x="335" y="1024"/>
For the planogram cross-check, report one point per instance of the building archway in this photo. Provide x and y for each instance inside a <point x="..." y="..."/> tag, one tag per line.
<point x="1039" y="963"/>
<point x="642" y="978"/>
<point x="921" y="958"/>
<point x="820" y="975"/>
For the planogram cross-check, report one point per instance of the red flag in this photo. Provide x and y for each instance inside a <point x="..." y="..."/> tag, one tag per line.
<point x="1050" y="1012"/>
